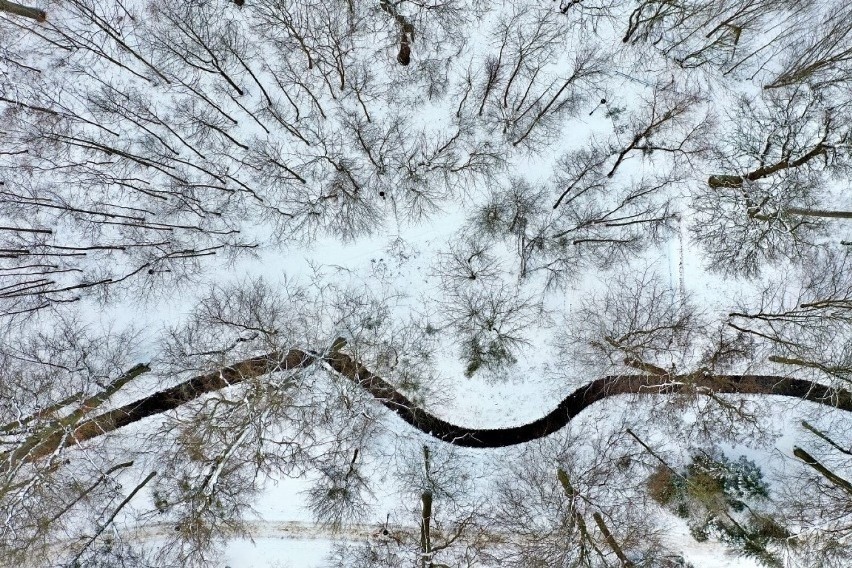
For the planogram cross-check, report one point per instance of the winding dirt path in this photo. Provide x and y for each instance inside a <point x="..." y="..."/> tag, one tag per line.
<point x="423" y="420"/>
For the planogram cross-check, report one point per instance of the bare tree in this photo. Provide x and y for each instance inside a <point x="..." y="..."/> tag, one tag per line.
<point x="519" y="96"/>
<point x="820" y="58"/>
<point x="789" y="145"/>
<point x="638" y="322"/>
<point x="585" y="511"/>
<point x="739" y="37"/>
<point x="594" y="223"/>
<point x="489" y="321"/>
<point x="816" y="498"/>
<point x="641" y="324"/>
<point x="52" y="380"/>
<point x="803" y="321"/>
<point x="438" y="490"/>
<point x="473" y="259"/>
<point x="597" y="217"/>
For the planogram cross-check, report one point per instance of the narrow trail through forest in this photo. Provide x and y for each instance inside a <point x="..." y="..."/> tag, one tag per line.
<point x="356" y="532"/>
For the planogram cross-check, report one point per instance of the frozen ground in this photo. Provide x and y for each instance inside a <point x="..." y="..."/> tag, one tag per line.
<point x="399" y="258"/>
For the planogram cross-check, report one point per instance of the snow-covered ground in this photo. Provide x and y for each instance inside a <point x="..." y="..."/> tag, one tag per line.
<point x="393" y="185"/>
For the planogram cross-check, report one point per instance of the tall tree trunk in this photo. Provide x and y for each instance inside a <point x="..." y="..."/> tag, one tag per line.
<point x="825" y="437"/>
<point x="21" y="10"/>
<point x="818" y="213"/>
<point x="610" y="540"/>
<point x="725" y="180"/>
<point x="579" y="521"/>
<point x="426" y="518"/>
<point x="425" y="529"/>
<point x="824" y="471"/>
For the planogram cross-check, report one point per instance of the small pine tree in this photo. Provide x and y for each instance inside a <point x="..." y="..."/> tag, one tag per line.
<point x="718" y="496"/>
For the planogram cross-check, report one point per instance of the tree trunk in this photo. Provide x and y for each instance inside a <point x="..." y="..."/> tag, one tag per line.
<point x="610" y="540"/>
<point x="818" y="213"/>
<point x="824" y="471"/>
<point x="571" y="494"/>
<point x="425" y="529"/>
<point x="718" y="181"/>
<point x="824" y="436"/>
<point x="21" y="10"/>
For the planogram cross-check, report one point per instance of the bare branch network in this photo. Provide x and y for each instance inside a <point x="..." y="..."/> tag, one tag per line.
<point x="338" y="231"/>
